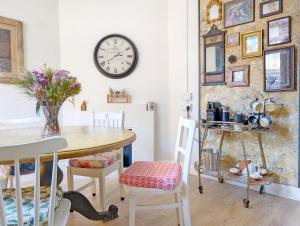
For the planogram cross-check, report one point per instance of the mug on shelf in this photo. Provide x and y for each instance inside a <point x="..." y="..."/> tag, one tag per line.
<point x="265" y="121"/>
<point x="253" y="119"/>
<point x="257" y="106"/>
<point x="270" y="106"/>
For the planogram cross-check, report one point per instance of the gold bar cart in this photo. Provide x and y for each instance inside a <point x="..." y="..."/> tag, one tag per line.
<point x="226" y="128"/>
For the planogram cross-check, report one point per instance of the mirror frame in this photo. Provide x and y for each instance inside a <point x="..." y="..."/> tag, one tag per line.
<point x="220" y="10"/>
<point x="214" y="37"/>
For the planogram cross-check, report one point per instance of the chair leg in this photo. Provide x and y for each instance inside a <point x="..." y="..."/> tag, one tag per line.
<point x="178" y="209"/>
<point x="132" y="206"/>
<point x="93" y="186"/>
<point x="70" y="178"/>
<point x="186" y="210"/>
<point x="102" y="192"/>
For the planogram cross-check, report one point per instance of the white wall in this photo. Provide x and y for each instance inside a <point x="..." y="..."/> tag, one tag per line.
<point x="41" y="45"/>
<point x="183" y="80"/>
<point x="84" y="23"/>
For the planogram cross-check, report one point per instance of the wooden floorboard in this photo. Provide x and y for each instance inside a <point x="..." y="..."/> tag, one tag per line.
<point x="220" y="205"/>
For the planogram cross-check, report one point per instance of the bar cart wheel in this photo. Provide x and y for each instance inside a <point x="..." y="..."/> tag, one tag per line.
<point x="221" y="180"/>
<point x="201" y="189"/>
<point x="246" y="203"/>
<point x="261" y="189"/>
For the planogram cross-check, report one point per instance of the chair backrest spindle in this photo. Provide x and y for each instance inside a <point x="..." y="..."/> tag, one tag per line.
<point x="28" y="151"/>
<point x="108" y="119"/>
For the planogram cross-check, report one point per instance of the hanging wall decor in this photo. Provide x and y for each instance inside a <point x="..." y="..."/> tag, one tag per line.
<point x="11" y="50"/>
<point x="238" y="12"/>
<point x="239" y="76"/>
<point x="279" y="31"/>
<point x="279" y="69"/>
<point x="252" y="44"/>
<point x="214" y="11"/>
<point x="214" y="57"/>
<point x="270" y="8"/>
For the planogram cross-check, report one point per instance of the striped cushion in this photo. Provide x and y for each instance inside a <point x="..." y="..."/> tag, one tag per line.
<point x="159" y="175"/>
<point x="101" y="160"/>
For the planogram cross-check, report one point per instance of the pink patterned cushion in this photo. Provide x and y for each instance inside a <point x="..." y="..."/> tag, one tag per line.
<point x="159" y="175"/>
<point x="101" y="160"/>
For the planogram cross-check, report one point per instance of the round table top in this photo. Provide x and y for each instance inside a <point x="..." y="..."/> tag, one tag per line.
<point x="82" y="140"/>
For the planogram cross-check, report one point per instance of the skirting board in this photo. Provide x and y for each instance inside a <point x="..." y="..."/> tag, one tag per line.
<point x="274" y="189"/>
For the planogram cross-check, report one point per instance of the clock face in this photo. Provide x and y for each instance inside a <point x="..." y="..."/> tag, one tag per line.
<point x="115" y="56"/>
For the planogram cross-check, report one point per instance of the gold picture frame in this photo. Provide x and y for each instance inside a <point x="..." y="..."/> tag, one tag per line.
<point x="252" y="44"/>
<point x="11" y="50"/>
<point x="214" y="11"/>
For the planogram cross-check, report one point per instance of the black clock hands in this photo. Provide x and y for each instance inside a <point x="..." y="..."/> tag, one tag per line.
<point x="118" y="54"/>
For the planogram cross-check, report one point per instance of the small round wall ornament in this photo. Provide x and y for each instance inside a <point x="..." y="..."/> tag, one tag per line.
<point x="232" y="59"/>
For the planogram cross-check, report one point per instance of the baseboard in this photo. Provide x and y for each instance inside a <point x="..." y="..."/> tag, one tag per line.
<point x="274" y="189"/>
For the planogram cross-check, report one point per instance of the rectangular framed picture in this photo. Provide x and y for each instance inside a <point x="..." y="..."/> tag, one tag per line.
<point x="233" y="40"/>
<point x="270" y="8"/>
<point x="11" y="50"/>
<point x="279" y="69"/>
<point x="252" y="44"/>
<point x="279" y="31"/>
<point x="239" y="76"/>
<point x="238" y="12"/>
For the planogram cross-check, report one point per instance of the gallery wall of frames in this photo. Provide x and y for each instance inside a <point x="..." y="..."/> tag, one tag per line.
<point x="250" y="49"/>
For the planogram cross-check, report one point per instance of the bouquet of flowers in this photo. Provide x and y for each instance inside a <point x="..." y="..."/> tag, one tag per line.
<point x="51" y="88"/>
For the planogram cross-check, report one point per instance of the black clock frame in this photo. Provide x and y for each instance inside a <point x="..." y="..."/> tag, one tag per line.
<point x="116" y="76"/>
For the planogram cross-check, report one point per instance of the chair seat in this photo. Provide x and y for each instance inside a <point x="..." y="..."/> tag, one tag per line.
<point x="28" y="205"/>
<point x="101" y="160"/>
<point x="158" y="175"/>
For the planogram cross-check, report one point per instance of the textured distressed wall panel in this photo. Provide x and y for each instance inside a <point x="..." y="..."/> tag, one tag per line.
<point x="281" y="143"/>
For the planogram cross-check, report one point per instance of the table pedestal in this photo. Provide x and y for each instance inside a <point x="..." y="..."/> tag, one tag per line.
<point x="79" y="202"/>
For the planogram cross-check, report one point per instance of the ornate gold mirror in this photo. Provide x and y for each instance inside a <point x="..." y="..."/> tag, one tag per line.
<point x="214" y="11"/>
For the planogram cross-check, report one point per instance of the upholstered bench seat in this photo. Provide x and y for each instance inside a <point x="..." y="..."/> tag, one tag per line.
<point x="101" y="160"/>
<point x="28" y="205"/>
<point x="159" y="175"/>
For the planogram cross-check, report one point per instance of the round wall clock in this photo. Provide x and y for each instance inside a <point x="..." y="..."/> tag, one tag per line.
<point x="115" y="56"/>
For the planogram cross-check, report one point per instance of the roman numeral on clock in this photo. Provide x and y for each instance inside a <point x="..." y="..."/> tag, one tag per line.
<point x="108" y="69"/>
<point x="102" y="63"/>
<point x="116" y="71"/>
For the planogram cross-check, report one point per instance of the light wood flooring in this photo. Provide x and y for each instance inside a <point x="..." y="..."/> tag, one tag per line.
<point x="220" y="205"/>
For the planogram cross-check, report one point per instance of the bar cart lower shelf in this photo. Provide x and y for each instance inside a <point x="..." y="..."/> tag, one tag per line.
<point x="225" y="128"/>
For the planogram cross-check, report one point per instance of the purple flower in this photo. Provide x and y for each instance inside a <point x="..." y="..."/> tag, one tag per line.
<point x="40" y="78"/>
<point x="74" y="85"/>
<point x="60" y="75"/>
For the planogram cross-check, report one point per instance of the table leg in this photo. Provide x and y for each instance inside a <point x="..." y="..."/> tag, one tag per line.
<point x="79" y="202"/>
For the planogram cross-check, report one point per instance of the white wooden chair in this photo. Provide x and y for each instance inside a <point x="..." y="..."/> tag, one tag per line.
<point x="56" y="216"/>
<point x="18" y="123"/>
<point x="92" y="166"/>
<point x="163" y="178"/>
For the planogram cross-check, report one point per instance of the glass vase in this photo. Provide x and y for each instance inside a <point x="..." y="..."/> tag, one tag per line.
<point x="52" y="124"/>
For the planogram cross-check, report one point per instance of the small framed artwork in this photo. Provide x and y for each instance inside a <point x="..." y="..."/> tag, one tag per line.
<point x="279" y="31"/>
<point x="239" y="76"/>
<point x="279" y="69"/>
<point x="233" y="40"/>
<point x="214" y="11"/>
<point x="11" y="50"/>
<point x="252" y="44"/>
<point x="238" y="12"/>
<point x="270" y="8"/>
